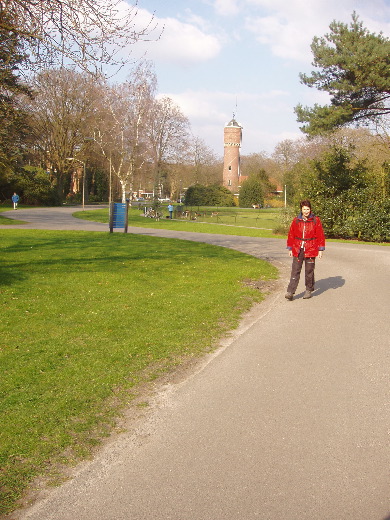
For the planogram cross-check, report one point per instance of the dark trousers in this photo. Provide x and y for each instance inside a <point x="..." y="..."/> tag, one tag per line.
<point x="296" y="272"/>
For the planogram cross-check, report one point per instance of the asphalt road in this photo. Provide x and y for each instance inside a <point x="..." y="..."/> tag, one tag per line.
<point x="289" y="419"/>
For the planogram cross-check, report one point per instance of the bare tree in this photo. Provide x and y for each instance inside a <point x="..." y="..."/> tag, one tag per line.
<point x="121" y="132"/>
<point x="204" y="163"/>
<point x="286" y="154"/>
<point x="74" y="116"/>
<point x="168" y="134"/>
<point x="261" y="162"/>
<point x="91" y="34"/>
<point x="61" y="113"/>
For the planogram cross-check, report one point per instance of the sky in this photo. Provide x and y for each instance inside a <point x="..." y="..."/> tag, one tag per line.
<point x="216" y="58"/>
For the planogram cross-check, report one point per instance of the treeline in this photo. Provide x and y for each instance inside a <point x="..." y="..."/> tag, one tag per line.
<point x="66" y="131"/>
<point x="125" y="139"/>
<point x="120" y="136"/>
<point x="345" y="173"/>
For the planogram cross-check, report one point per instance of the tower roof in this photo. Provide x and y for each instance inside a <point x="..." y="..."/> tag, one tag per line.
<point x="234" y="123"/>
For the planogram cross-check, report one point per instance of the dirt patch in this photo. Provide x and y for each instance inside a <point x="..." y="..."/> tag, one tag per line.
<point x="265" y="286"/>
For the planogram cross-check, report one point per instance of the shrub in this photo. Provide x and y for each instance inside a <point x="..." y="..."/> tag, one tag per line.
<point x="373" y="223"/>
<point x="95" y="198"/>
<point x="284" y="220"/>
<point x="346" y="196"/>
<point x="35" y="187"/>
<point x="273" y="203"/>
<point x="251" y="192"/>
<point x="215" y="195"/>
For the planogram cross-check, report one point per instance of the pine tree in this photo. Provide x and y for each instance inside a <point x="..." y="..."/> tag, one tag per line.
<point x="355" y="70"/>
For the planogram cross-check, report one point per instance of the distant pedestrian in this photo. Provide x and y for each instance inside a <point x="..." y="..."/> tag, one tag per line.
<point x="170" y="209"/>
<point x="306" y="241"/>
<point x="15" y="200"/>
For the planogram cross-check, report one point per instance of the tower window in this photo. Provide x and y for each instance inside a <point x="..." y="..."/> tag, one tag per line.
<point x="230" y="168"/>
<point x="229" y="181"/>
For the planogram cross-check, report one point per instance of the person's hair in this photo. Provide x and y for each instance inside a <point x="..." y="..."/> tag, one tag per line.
<point x="305" y="203"/>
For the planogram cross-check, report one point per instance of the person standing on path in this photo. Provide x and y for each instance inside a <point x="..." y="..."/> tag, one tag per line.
<point x="15" y="200"/>
<point x="306" y="241"/>
<point x="170" y="209"/>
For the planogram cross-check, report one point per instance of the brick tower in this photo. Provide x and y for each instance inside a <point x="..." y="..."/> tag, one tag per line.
<point x="232" y="136"/>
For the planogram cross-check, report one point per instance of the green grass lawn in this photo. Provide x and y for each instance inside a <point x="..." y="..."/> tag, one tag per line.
<point x="85" y="318"/>
<point x="229" y="221"/>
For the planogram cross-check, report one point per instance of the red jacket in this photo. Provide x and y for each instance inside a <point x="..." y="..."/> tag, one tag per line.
<point x="308" y="234"/>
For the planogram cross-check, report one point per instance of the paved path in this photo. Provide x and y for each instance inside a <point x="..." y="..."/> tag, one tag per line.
<point x="290" y="420"/>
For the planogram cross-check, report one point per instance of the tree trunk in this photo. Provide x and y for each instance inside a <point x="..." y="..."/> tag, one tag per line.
<point x="123" y="186"/>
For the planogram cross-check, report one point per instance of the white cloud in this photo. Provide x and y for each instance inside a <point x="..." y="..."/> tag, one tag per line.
<point x="201" y="104"/>
<point x="226" y="7"/>
<point x="286" y="40"/>
<point x="176" y="42"/>
<point x="288" y="27"/>
<point x="194" y="19"/>
<point x="210" y="106"/>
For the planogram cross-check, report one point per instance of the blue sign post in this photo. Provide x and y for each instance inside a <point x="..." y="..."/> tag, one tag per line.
<point x="119" y="215"/>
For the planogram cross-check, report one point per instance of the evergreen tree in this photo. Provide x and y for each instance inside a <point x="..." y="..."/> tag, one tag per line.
<point x="355" y="70"/>
<point x="251" y="191"/>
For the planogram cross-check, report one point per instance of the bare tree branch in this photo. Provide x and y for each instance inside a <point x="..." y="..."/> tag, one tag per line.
<point x="91" y="34"/>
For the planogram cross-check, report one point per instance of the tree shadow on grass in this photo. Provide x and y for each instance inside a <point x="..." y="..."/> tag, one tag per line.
<point x="11" y="276"/>
<point x="62" y="251"/>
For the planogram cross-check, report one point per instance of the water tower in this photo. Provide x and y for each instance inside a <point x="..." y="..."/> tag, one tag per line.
<point x="232" y="137"/>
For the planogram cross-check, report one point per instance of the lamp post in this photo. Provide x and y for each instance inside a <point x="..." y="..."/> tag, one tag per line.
<point x="83" y="163"/>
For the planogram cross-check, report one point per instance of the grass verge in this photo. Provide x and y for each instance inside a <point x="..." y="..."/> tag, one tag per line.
<point x="4" y="221"/>
<point x="86" y="317"/>
<point x="249" y="223"/>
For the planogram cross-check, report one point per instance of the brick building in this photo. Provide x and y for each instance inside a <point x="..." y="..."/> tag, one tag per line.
<point x="232" y="137"/>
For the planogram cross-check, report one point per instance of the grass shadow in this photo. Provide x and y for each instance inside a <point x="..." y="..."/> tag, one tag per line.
<point x="41" y="252"/>
<point x="10" y="277"/>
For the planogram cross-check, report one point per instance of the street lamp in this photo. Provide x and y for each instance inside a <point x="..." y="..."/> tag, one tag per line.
<point x="83" y="163"/>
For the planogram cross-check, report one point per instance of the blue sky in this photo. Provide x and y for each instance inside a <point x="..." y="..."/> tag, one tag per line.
<point x="216" y="57"/>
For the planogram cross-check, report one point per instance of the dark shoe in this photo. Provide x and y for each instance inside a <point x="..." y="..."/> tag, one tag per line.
<point x="307" y="295"/>
<point x="289" y="296"/>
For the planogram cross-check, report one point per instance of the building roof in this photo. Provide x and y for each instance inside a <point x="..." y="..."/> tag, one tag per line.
<point x="233" y="122"/>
